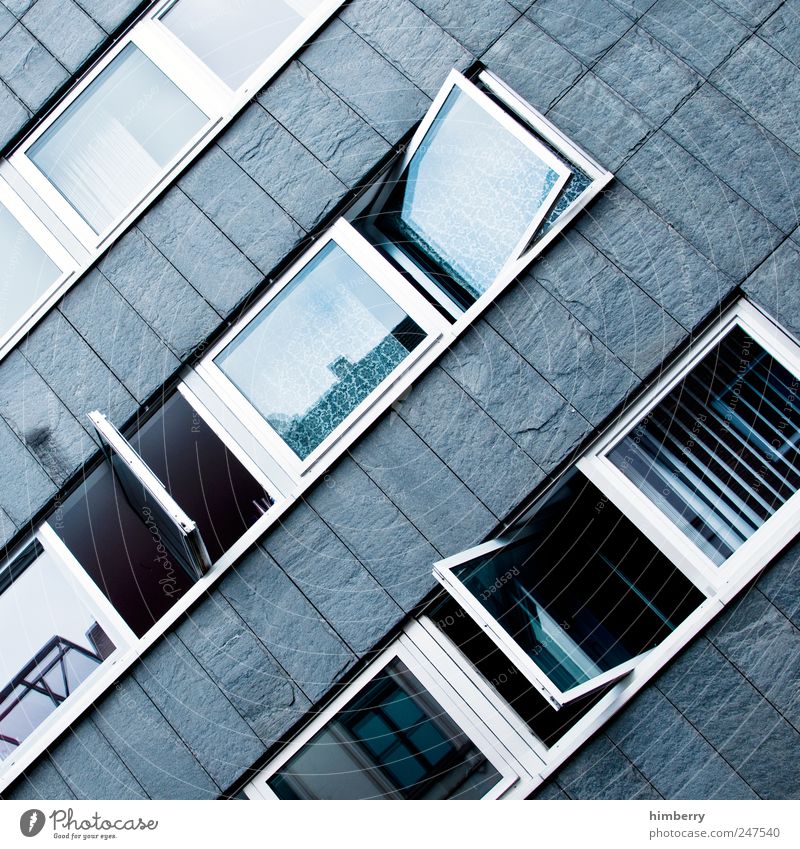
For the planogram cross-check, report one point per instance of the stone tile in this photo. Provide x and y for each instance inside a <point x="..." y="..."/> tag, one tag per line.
<point x="287" y="623"/>
<point x="241" y="209"/>
<point x="782" y="30"/>
<point x="219" y="271"/>
<point x="24" y="487"/>
<point x="780" y="583"/>
<point x="415" y="479"/>
<point x="599" y="120"/>
<point x="473" y="446"/>
<point x="159" y="293"/>
<point x="15" y="114"/>
<point x="586" y="27"/>
<point x="625" y="319"/>
<point x="40" y="781"/>
<point x="41" y="421"/>
<point x="703" y="209"/>
<point x="633" y="8"/>
<point x="647" y="75"/>
<point x="750" y="12"/>
<point x="699" y="31"/>
<point x="562" y="350"/>
<point x="324" y="123"/>
<point x="773" y="285"/>
<point x="7" y="20"/>
<point x="65" y="30"/>
<point x="765" y="85"/>
<point x="367" y="82"/>
<point x="118" y="335"/>
<point x="74" y="371"/>
<point x="7" y="527"/>
<point x="536" y="66"/>
<point x="285" y="169"/>
<point x="28" y="69"/>
<point x="379" y="535"/>
<point x="741" y="152"/>
<point x="549" y="792"/>
<point x="409" y="39"/>
<point x="152" y="751"/>
<point x="18" y="7"/>
<point x="474" y="23"/>
<point x="655" y="256"/>
<point x="341" y="589"/>
<point x="540" y="420"/>
<point x="111" y="14"/>
<point x="221" y="741"/>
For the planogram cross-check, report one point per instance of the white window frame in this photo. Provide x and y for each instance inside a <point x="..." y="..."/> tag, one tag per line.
<point x="468" y="701"/>
<point x="391" y="282"/>
<point x="766" y="541"/>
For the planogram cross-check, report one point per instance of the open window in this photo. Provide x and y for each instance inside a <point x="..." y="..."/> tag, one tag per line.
<point x="484" y="179"/>
<point x="577" y="598"/>
<point x="322" y="348"/>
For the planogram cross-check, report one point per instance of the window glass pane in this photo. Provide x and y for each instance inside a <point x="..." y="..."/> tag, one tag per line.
<point x="721" y="452"/>
<point x="50" y="643"/>
<point x="392" y="741"/>
<point x="118" y="135"/>
<point x="234" y="38"/>
<point x="467" y="196"/>
<point x="26" y="271"/>
<point x="319" y="348"/>
<point x="584" y="592"/>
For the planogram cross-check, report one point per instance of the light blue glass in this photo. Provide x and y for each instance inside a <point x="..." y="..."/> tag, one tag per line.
<point x="26" y="272"/>
<point x="116" y="138"/>
<point x="318" y="349"/>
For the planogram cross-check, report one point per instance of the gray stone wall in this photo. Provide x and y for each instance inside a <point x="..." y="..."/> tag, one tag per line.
<point x="693" y="104"/>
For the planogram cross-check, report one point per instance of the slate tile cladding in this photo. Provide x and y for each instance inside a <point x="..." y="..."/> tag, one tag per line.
<point x="619" y="292"/>
<point x="45" y="45"/>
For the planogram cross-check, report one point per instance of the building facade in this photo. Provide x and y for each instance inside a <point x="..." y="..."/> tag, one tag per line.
<point x="285" y="441"/>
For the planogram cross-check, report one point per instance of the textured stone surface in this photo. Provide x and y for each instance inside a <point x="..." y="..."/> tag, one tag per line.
<point x="781" y="583"/>
<point x="15" y="114"/>
<point x="586" y="27"/>
<point x="118" y="335"/>
<point x="372" y="527"/>
<point x="474" y="23"/>
<point x="341" y="589"/>
<point x="549" y="791"/>
<point x="609" y="304"/>
<point x="324" y="123"/>
<point x="287" y="623"/>
<point x="774" y="285"/>
<point x="366" y="81"/>
<point x="698" y="31"/>
<point x="7" y="20"/>
<point x="223" y="743"/>
<point x="409" y="39"/>
<point x="39" y="418"/>
<point x="166" y="301"/>
<point x="647" y="75"/>
<point x="110" y="14"/>
<point x="654" y="255"/>
<point x="28" y="69"/>
<point x="65" y="30"/>
<point x="601" y="771"/>
<point x="525" y="46"/>
<point x="741" y="152"/>
<point x="24" y="487"/>
<point x="7" y="527"/>
<point x="733" y="235"/>
<point x="18" y="7"/>
<point x="489" y="462"/>
<point x="540" y="420"/>
<point x="765" y="85"/>
<point x="285" y="169"/>
<point x="75" y="372"/>
<point x="750" y="12"/>
<point x="158" y="759"/>
<point x="599" y="120"/>
<point x="219" y="271"/>
<point x="41" y="781"/>
<point x="633" y="8"/>
<point x="260" y="690"/>
<point x="782" y="30"/>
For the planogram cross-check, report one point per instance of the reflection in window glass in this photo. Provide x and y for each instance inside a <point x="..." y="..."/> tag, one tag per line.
<point x="234" y="38"/>
<point x="721" y="452"/>
<point x="118" y="135"/>
<point x="467" y="197"/>
<point x="50" y="642"/>
<point x="392" y="741"/>
<point x="26" y="271"/>
<point x="319" y="348"/>
<point x="584" y="592"/>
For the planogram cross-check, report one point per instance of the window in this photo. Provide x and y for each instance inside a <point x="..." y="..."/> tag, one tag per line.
<point x="476" y="189"/>
<point x="329" y="337"/>
<point x="714" y="454"/>
<point x="234" y="39"/>
<point x="412" y="726"/>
